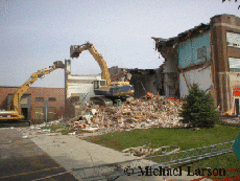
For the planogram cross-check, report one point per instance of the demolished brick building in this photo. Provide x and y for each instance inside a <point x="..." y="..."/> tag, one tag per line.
<point x="209" y="55"/>
<point x="143" y="80"/>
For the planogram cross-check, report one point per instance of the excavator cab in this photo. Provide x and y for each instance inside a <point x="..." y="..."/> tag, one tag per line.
<point x="99" y="83"/>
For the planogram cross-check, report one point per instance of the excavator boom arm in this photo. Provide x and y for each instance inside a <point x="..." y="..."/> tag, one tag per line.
<point x="34" y="77"/>
<point x="76" y="50"/>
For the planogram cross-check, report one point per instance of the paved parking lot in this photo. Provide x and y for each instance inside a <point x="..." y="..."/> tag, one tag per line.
<point x="21" y="159"/>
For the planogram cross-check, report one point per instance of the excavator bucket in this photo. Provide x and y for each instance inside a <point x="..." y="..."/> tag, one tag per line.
<point x="74" y="53"/>
<point x="59" y="64"/>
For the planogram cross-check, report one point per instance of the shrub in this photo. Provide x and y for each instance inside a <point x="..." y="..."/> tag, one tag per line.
<point x="199" y="109"/>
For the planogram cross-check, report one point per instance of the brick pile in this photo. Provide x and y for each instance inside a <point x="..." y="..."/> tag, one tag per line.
<point x="134" y="114"/>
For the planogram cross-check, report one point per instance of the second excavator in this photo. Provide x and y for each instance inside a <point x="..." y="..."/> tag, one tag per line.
<point x="106" y="91"/>
<point x="15" y="113"/>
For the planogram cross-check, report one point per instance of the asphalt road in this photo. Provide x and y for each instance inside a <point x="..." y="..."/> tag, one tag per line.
<point x="21" y="159"/>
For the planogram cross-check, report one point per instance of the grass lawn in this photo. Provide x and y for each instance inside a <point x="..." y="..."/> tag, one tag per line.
<point x="183" y="138"/>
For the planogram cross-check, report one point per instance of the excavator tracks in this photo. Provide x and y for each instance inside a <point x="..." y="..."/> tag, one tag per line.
<point x="14" y="123"/>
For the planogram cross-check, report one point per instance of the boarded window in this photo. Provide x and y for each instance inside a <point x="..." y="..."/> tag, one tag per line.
<point x="201" y="52"/>
<point x="39" y="113"/>
<point x="52" y="99"/>
<point x="23" y="100"/>
<point x="51" y="113"/>
<point x="39" y="99"/>
<point x="234" y="64"/>
<point x="233" y="39"/>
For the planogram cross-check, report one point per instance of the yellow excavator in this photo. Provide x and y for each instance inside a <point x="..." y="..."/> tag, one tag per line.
<point x="15" y="112"/>
<point x="105" y="90"/>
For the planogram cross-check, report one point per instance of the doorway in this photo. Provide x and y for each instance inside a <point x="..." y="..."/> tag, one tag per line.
<point x="237" y="106"/>
<point x="25" y="113"/>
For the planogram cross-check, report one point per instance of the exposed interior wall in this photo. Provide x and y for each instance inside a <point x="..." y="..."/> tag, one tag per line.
<point x="170" y="84"/>
<point x="203" y="77"/>
<point x="144" y="81"/>
<point x="194" y="51"/>
<point x="160" y="80"/>
<point x="81" y="84"/>
<point x="119" y="74"/>
<point x="170" y="69"/>
<point x="192" y="55"/>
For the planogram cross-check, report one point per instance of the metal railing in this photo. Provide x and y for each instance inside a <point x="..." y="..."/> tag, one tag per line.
<point x="115" y="170"/>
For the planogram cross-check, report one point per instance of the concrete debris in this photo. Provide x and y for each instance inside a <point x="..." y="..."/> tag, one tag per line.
<point x="52" y="134"/>
<point x="46" y="130"/>
<point x="195" y="129"/>
<point x="228" y="113"/>
<point x="50" y="123"/>
<point x="133" y="114"/>
<point x="231" y="120"/>
<point x="59" y="130"/>
<point x="72" y="133"/>
<point x="94" y="111"/>
<point x="145" y="150"/>
<point x="90" y="130"/>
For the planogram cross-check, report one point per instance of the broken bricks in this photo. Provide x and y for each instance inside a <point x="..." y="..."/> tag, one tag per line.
<point x="133" y="114"/>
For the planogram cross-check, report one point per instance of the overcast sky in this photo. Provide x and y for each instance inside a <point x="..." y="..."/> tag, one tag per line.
<point x="35" y="33"/>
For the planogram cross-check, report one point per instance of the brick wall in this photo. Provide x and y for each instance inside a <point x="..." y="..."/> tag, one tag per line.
<point x="45" y="93"/>
<point x="223" y="78"/>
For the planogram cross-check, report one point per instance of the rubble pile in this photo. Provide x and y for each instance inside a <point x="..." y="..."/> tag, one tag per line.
<point x="133" y="114"/>
<point x="231" y="120"/>
<point x="145" y="150"/>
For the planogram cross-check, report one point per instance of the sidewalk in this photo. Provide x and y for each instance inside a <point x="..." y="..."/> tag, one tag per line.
<point x="71" y="151"/>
